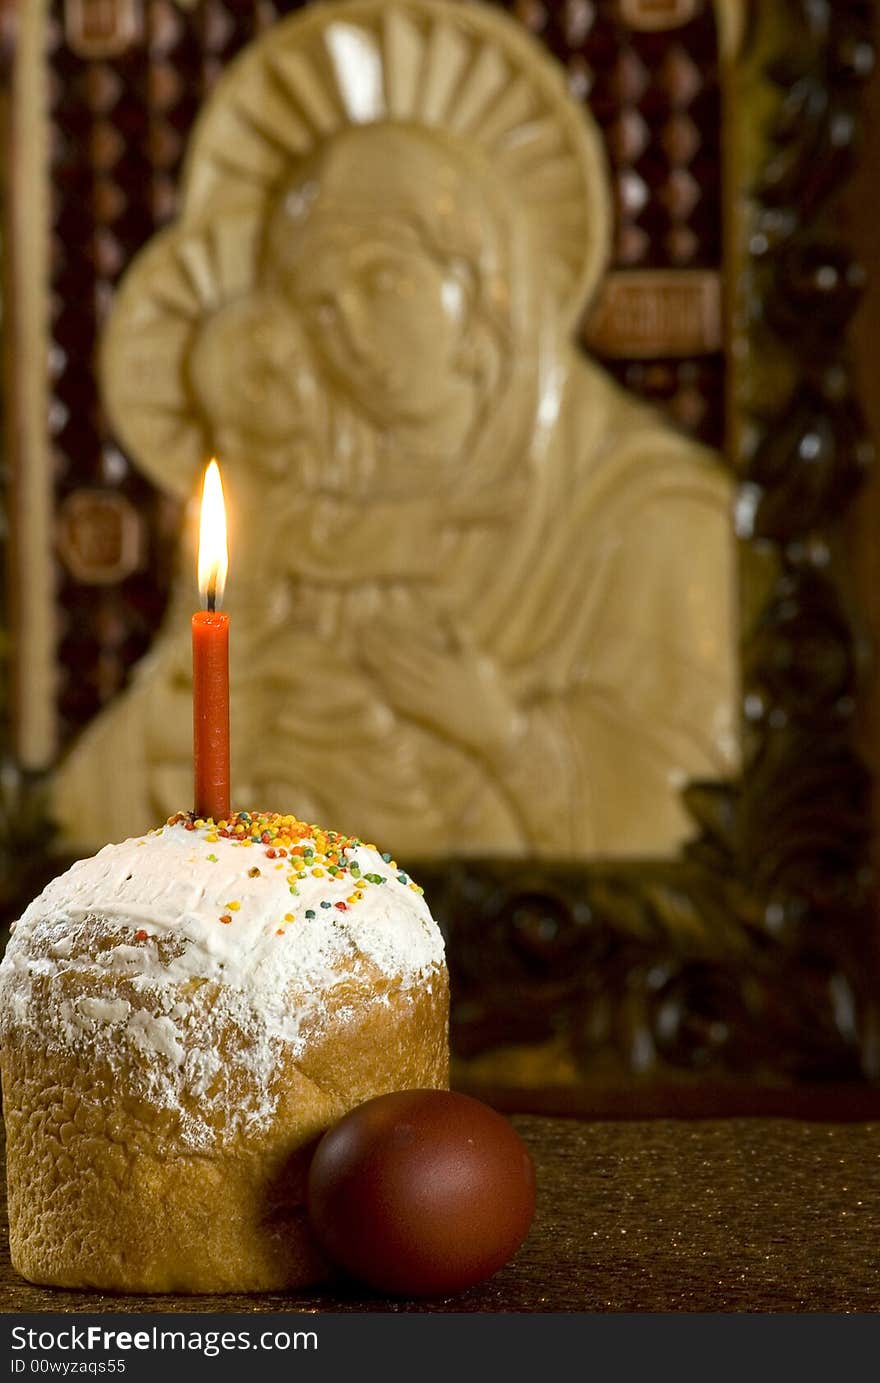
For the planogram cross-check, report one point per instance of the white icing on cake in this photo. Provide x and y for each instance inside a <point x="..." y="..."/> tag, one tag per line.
<point x="113" y="958"/>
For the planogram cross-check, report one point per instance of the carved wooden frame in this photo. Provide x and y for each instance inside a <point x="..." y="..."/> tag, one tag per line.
<point x="750" y="956"/>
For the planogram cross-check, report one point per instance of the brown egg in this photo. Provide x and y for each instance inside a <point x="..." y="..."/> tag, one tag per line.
<point x="421" y="1192"/>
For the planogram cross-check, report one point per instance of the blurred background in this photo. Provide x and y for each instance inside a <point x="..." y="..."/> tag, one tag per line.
<point x="535" y="341"/>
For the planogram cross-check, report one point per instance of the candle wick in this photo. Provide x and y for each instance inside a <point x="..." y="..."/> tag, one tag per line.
<point x="212" y="595"/>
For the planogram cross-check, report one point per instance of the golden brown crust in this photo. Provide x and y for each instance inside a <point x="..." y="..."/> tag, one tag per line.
<point x="103" y="1195"/>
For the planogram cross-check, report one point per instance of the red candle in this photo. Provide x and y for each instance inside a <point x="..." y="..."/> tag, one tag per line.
<point x="210" y="645"/>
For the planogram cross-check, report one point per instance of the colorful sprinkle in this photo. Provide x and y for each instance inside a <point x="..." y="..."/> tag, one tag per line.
<point x="298" y="848"/>
<point x="141" y="935"/>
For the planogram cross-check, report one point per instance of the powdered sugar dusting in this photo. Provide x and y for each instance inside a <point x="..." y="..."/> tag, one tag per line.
<point x="190" y="963"/>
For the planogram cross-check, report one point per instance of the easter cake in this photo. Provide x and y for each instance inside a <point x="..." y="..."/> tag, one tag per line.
<point x="181" y="1017"/>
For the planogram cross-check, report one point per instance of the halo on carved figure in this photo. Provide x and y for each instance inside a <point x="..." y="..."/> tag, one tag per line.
<point x="463" y="70"/>
<point x="468" y="73"/>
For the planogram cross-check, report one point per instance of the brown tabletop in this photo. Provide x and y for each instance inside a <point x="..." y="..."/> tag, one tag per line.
<point x="661" y="1215"/>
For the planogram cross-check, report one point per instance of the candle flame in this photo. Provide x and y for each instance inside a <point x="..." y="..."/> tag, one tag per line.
<point x="213" y="553"/>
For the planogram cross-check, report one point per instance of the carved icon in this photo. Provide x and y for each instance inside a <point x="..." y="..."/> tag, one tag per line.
<point x="481" y="598"/>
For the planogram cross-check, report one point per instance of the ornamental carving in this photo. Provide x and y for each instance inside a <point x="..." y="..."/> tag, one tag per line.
<point x="100" y="537"/>
<point x="102" y="28"/>
<point x="657" y="14"/>
<point x="657" y="313"/>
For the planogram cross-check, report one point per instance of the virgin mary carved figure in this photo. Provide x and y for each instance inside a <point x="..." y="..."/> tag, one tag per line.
<point x="481" y="599"/>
